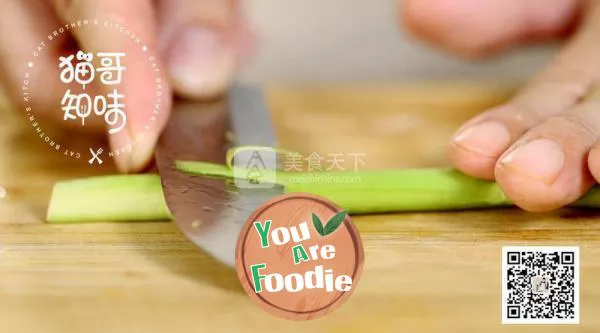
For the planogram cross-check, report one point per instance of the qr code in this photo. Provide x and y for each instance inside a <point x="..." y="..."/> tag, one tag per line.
<point x="540" y="285"/>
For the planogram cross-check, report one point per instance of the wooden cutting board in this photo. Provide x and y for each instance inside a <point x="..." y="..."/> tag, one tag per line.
<point x="426" y="272"/>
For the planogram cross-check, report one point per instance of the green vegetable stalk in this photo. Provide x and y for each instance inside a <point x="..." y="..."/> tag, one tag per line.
<point x="108" y="199"/>
<point x="139" y="197"/>
<point x="379" y="191"/>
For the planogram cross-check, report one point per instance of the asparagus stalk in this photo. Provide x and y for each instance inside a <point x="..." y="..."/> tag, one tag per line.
<point x="139" y="197"/>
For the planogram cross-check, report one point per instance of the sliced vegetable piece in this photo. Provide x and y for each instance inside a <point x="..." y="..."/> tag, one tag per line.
<point x="108" y="199"/>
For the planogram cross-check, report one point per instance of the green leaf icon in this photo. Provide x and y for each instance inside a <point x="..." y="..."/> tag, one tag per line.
<point x="334" y="223"/>
<point x="317" y="223"/>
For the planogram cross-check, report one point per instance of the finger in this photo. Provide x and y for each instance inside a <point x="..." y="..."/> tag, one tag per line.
<point x="594" y="154"/>
<point x="35" y="20"/>
<point x="140" y="81"/>
<point x="474" y="28"/>
<point x="547" y="168"/>
<point x="479" y="143"/>
<point x="204" y="42"/>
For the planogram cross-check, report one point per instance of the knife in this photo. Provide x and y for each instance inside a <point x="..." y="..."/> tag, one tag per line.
<point x="211" y="211"/>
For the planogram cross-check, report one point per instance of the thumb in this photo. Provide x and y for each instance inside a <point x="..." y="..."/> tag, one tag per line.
<point x="203" y="42"/>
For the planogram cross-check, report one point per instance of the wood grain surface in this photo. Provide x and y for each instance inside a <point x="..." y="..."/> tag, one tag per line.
<point x="426" y="272"/>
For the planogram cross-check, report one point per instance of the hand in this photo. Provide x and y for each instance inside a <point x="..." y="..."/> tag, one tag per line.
<point x="541" y="146"/>
<point x="199" y="43"/>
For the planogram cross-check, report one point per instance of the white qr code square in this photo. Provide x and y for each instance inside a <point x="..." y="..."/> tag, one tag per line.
<point x="540" y="285"/>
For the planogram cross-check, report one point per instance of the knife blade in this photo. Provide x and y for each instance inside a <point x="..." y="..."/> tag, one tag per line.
<point x="211" y="211"/>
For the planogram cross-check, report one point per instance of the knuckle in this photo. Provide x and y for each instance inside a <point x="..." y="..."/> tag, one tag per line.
<point x="518" y="115"/>
<point x="573" y="126"/>
<point x="568" y="81"/>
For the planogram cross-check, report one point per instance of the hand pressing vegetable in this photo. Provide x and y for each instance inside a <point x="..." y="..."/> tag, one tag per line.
<point x="541" y="146"/>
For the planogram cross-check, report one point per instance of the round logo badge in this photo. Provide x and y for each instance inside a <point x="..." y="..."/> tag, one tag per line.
<point x="299" y="256"/>
<point x="92" y="89"/>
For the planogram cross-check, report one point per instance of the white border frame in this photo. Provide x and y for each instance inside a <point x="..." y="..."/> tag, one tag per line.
<point x="544" y="249"/>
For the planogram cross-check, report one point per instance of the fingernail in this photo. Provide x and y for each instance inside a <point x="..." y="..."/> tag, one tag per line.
<point x="142" y="153"/>
<point x="122" y="160"/>
<point x="201" y="62"/>
<point x="489" y="139"/>
<point x="541" y="159"/>
<point x="135" y="152"/>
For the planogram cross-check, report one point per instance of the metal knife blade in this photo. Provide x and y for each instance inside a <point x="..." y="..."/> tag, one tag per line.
<point x="212" y="211"/>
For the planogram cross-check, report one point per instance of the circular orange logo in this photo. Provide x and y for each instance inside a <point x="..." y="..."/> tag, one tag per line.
<point x="299" y="256"/>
